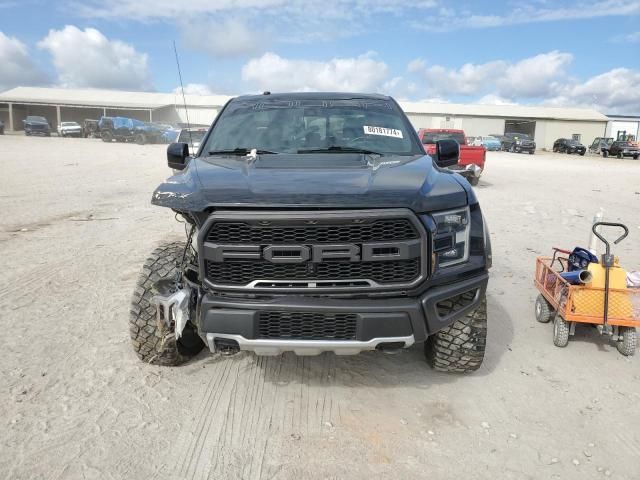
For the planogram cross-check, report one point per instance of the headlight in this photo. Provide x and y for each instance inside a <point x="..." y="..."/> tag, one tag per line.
<point x="518" y="142"/>
<point x="451" y="242"/>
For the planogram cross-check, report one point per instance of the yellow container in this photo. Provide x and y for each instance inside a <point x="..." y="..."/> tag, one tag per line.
<point x="590" y="300"/>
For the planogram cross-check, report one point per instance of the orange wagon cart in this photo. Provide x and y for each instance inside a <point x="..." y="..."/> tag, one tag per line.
<point x="568" y="304"/>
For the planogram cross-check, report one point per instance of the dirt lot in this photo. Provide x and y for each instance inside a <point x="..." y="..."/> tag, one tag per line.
<point x="75" y="402"/>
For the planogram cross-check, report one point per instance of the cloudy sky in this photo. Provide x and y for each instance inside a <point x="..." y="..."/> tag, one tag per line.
<point x="573" y="52"/>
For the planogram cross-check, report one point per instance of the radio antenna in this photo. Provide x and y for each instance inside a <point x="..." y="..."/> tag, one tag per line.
<point x="184" y="100"/>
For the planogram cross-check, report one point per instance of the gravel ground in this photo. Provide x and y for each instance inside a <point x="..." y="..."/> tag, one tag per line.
<point x="75" y="402"/>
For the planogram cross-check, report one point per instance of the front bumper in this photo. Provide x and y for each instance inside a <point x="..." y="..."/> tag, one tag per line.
<point x="397" y="321"/>
<point x="467" y="171"/>
<point x="524" y="148"/>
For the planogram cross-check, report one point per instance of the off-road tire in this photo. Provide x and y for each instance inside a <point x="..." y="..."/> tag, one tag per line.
<point x="560" y="332"/>
<point x="141" y="139"/>
<point x="474" y="181"/>
<point x="153" y="342"/>
<point x="619" y="155"/>
<point x="544" y="312"/>
<point x="106" y="137"/>
<point x="460" y="347"/>
<point x="627" y="346"/>
<point x="605" y="153"/>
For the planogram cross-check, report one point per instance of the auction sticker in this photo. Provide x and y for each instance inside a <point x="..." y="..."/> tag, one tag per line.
<point x="385" y="132"/>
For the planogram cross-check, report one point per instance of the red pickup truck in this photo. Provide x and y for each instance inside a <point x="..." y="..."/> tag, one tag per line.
<point x="471" y="162"/>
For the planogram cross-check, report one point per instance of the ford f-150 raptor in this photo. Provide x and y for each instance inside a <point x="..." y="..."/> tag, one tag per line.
<point x="316" y="222"/>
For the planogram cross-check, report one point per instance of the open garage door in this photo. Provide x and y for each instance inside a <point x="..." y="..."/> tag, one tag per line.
<point x="520" y="126"/>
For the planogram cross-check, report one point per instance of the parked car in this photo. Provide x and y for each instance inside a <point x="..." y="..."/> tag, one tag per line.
<point x="568" y="145"/>
<point x="518" y="143"/>
<point x="489" y="143"/>
<point x="90" y="128"/>
<point x="123" y="129"/>
<point x="69" y="129"/>
<point x="384" y="248"/>
<point x="36" y="125"/>
<point x="600" y="144"/>
<point x="622" y="149"/>
<point x="1" y="127"/>
<point x="472" y="159"/>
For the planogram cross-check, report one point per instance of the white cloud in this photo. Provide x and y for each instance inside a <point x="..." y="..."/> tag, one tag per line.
<point x="86" y="58"/>
<point x="227" y="38"/>
<point x="627" y="38"/>
<point x="533" y="77"/>
<point x="16" y="66"/>
<point x="531" y="12"/>
<point x="194" y="89"/>
<point x="272" y="72"/>
<point x="615" y="91"/>
<point x="493" y="99"/>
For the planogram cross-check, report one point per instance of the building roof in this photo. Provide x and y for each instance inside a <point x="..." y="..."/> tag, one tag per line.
<point x="506" y="111"/>
<point x="153" y="100"/>
<point x="105" y="98"/>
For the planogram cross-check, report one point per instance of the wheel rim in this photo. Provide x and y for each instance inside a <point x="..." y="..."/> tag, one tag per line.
<point x="538" y="309"/>
<point x="555" y="329"/>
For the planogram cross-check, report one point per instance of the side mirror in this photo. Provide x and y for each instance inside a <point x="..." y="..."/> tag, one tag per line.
<point x="178" y="156"/>
<point x="447" y="153"/>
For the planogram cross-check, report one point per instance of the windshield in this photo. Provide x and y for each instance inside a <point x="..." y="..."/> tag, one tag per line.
<point x="490" y="139"/>
<point x="521" y="136"/>
<point x="303" y="126"/>
<point x="37" y="119"/>
<point x="433" y="137"/>
<point x="195" y="137"/>
<point x="573" y="142"/>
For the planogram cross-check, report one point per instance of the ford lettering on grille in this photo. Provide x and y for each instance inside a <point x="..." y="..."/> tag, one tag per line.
<point x="366" y="252"/>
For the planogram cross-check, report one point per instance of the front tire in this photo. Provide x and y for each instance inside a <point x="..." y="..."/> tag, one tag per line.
<point x="106" y="137"/>
<point x="460" y="347"/>
<point x="153" y="342"/>
<point x="560" y="332"/>
<point x="140" y="139"/>
<point x="627" y="346"/>
<point x="619" y="155"/>
<point x="605" y="153"/>
<point x="474" y="181"/>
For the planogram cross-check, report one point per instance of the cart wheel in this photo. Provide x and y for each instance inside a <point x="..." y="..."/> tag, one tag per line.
<point x="627" y="346"/>
<point x="560" y="332"/>
<point x="543" y="310"/>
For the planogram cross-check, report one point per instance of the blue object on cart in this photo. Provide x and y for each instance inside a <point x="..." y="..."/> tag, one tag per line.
<point x="580" y="259"/>
<point x="577" y="277"/>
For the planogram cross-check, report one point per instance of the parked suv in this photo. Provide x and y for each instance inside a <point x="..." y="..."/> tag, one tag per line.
<point x="600" y="144"/>
<point x="35" y="125"/>
<point x="517" y="142"/>
<point x="123" y="129"/>
<point x="622" y="149"/>
<point x="567" y="145"/>
<point x="316" y="222"/>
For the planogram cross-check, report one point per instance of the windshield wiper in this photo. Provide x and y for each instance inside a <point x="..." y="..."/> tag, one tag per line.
<point x="241" y="151"/>
<point x="340" y="149"/>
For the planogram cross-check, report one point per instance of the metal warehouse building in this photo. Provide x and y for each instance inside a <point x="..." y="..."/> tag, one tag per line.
<point x="63" y="105"/>
<point x="545" y="124"/>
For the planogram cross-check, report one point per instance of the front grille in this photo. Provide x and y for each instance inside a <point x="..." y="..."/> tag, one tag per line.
<point x="240" y="250"/>
<point x="307" y="325"/>
<point x="243" y="272"/>
<point x="379" y="231"/>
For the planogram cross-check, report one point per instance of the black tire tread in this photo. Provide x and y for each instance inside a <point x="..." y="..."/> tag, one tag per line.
<point x="460" y="347"/>
<point x="546" y="312"/>
<point x="627" y="346"/>
<point x="560" y="332"/>
<point x="154" y="343"/>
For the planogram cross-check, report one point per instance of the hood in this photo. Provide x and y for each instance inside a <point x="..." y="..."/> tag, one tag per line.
<point x="314" y="181"/>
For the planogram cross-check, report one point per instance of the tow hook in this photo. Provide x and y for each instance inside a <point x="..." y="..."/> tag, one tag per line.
<point x="226" y="346"/>
<point x="172" y="310"/>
